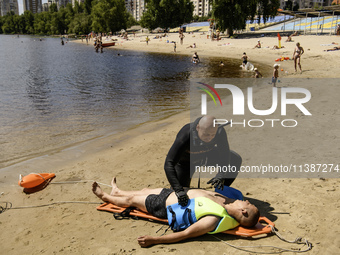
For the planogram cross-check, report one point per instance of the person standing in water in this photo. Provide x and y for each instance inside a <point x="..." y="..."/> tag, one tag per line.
<point x="244" y="59"/>
<point x="275" y="74"/>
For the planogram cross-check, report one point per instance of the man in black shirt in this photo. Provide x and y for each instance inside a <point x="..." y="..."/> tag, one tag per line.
<point x="200" y="143"/>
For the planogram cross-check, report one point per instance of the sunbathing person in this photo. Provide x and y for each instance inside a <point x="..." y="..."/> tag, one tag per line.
<point x="275" y="47"/>
<point x="333" y="49"/>
<point x="192" y="46"/>
<point x="258" y="45"/>
<point x="289" y="39"/>
<point x="206" y="212"/>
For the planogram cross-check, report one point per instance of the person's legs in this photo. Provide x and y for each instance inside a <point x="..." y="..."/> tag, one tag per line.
<point x="295" y="60"/>
<point x="122" y="201"/>
<point x="299" y="60"/>
<point x="118" y="192"/>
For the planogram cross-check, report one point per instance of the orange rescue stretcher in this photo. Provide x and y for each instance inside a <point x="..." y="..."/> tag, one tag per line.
<point x="258" y="229"/>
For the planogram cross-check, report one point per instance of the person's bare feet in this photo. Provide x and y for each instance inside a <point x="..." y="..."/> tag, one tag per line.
<point x="115" y="189"/>
<point x="97" y="190"/>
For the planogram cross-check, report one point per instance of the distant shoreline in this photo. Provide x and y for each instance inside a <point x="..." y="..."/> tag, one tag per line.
<point x="316" y="63"/>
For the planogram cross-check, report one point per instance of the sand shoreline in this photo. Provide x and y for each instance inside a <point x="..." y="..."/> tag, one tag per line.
<point x="306" y="207"/>
<point x="316" y="63"/>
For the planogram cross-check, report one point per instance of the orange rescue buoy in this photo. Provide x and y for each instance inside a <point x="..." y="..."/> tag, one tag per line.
<point x="33" y="180"/>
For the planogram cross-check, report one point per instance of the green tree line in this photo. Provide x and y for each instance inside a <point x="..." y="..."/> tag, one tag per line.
<point x="112" y="16"/>
<point x="92" y="15"/>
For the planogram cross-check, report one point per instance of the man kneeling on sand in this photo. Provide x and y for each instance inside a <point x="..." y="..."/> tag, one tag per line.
<point x="206" y="212"/>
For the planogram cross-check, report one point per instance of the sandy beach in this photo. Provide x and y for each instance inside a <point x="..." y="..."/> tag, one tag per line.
<point x="299" y="207"/>
<point x="316" y="63"/>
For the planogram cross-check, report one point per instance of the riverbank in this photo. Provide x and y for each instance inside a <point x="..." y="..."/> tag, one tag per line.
<point x="316" y="63"/>
<point x="306" y="207"/>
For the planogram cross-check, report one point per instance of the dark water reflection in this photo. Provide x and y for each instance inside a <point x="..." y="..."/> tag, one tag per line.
<point x="53" y="96"/>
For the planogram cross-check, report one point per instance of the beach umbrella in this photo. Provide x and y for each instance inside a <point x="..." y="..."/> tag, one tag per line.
<point x="134" y="28"/>
<point x="157" y="30"/>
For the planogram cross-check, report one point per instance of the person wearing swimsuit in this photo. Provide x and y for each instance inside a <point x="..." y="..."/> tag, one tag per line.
<point x="245" y="59"/>
<point x="298" y="51"/>
<point x="195" y="59"/>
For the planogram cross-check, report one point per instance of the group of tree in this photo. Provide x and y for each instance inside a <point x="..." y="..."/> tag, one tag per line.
<point x="232" y="14"/>
<point x="112" y="16"/>
<point x="92" y="15"/>
<point x="167" y="13"/>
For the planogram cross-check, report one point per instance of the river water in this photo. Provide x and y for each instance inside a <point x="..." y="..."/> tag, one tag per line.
<point x="54" y="96"/>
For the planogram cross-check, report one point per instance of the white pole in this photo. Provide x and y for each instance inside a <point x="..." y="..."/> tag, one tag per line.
<point x="300" y="19"/>
<point x="330" y="33"/>
<point x="284" y="24"/>
<point x="306" y="23"/>
<point x="317" y="27"/>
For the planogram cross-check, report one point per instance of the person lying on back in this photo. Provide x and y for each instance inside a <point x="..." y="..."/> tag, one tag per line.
<point x="206" y="211"/>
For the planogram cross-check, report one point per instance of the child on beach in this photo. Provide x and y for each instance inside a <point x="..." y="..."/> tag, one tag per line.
<point x="275" y="74"/>
<point x="245" y="59"/>
<point x="257" y="74"/>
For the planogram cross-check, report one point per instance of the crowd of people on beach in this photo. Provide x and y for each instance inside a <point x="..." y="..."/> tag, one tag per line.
<point x="98" y="44"/>
<point x="214" y="35"/>
<point x="298" y="51"/>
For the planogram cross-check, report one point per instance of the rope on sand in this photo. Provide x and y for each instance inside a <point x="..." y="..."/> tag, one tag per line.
<point x="82" y="181"/>
<point x="298" y="240"/>
<point x="8" y="205"/>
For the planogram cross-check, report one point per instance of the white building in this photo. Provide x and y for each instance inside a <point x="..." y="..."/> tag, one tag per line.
<point x="64" y="2"/>
<point x="303" y="4"/>
<point x="35" y="6"/>
<point x="136" y="8"/>
<point x="59" y="3"/>
<point x="201" y="7"/>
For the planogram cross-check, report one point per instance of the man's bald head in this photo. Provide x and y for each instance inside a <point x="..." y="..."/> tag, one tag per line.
<point x="205" y="128"/>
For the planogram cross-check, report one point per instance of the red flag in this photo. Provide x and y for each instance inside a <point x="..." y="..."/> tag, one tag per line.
<point x="279" y="36"/>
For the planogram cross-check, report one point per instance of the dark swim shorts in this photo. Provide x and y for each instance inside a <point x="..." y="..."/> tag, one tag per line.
<point x="156" y="204"/>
